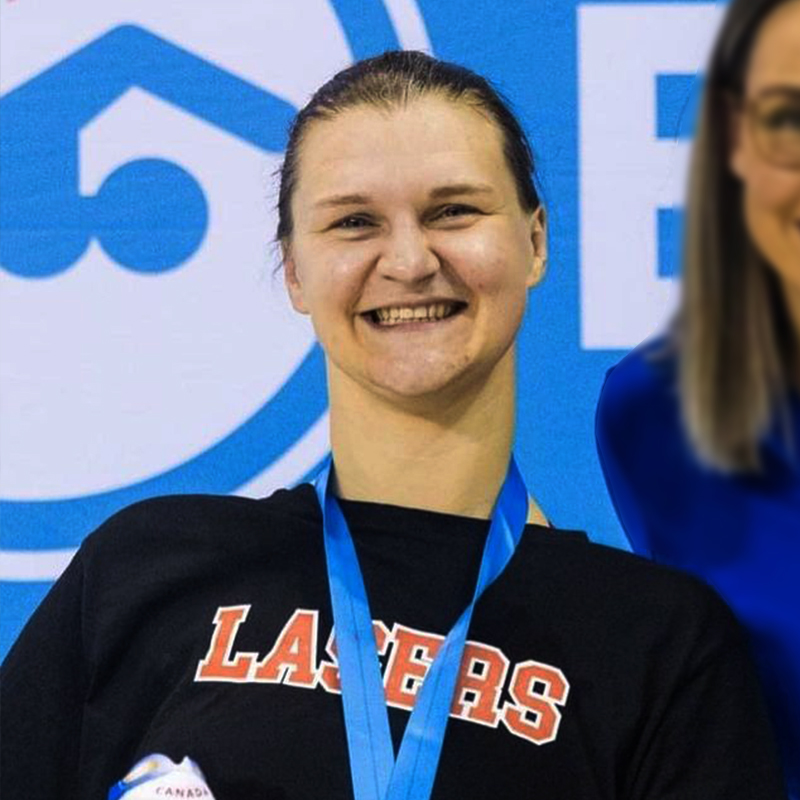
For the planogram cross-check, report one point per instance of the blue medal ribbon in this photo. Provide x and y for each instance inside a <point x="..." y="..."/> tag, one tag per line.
<point x="375" y="774"/>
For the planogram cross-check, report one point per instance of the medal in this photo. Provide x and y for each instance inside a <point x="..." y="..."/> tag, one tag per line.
<point x="158" y="776"/>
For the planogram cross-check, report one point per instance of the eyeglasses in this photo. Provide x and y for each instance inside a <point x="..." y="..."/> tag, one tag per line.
<point x="775" y="123"/>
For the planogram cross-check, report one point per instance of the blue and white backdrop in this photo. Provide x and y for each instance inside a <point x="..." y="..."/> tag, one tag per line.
<point x="146" y="345"/>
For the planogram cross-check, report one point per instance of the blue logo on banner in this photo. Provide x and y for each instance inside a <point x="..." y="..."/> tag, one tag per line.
<point x="150" y="216"/>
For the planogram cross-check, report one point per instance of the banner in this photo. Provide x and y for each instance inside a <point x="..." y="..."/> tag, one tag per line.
<point x="147" y="343"/>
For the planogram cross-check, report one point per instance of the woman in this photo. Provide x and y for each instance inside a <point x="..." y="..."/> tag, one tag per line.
<point x="202" y="626"/>
<point x="699" y="431"/>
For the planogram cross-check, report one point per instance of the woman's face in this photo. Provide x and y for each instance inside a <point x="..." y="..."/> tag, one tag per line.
<point x="766" y="135"/>
<point x="410" y="249"/>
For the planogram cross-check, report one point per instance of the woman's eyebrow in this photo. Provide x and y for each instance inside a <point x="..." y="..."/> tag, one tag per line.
<point x="438" y="193"/>
<point x="450" y="190"/>
<point x="793" y="90"/>
<point x="343" y="200"/>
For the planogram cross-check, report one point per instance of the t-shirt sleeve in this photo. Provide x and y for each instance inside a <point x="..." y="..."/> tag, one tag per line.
<point x="42" y="689"/>
<point x="706" y="733"/>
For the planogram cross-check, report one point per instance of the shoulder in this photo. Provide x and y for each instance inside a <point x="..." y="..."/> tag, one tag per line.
<point x="646" y="378"/>
<point x="624" y="592"/>
<point x="200" y="521"/>
<point x="626" y="575"/>
<point x="638" y="429"/>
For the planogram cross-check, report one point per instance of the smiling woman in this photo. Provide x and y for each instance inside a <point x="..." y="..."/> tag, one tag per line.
<point x="407" y="189"/>
<point x="410" y="626"/>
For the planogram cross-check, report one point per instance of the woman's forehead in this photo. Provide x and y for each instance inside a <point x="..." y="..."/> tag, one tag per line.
<point x="430" y="139"/>
<point x="775" y="61"/>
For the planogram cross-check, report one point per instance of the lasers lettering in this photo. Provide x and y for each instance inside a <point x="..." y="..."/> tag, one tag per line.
<point x="525" y="698"/>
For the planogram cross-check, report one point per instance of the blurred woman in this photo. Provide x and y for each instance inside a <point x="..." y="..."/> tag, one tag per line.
<point x="699" y="431"/>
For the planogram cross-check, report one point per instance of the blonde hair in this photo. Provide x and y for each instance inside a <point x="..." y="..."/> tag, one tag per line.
<point x="732" y="332"/>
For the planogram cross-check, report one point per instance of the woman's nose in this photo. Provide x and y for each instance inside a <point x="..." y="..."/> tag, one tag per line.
<point x="407" y="255"/>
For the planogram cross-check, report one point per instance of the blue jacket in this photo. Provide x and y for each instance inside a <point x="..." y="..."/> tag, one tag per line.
<point x="739" y="533"/>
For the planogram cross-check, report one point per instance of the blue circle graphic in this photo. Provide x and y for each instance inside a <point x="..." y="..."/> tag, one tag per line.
<point x="260" y="119"/>
<point x="150" y="215"/>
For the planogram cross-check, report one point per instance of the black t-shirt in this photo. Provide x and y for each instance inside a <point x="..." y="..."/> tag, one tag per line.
<point x="201" y="626"/>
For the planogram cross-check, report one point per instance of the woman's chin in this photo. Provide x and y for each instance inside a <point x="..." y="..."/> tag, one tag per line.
<point x="415" y="384"/>
<point x="429" y="387"/>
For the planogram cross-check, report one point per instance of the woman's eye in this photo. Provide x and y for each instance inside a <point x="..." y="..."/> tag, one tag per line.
<point x="352" y="223"/>
<point x="455" y="210"/>
<point x="783" y="118"/>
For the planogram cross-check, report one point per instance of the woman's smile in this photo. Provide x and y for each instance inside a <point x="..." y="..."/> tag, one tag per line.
<point x="414" y="316"/>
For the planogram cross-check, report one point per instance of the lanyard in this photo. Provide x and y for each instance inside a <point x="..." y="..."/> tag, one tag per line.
<point x="375" y="774"/>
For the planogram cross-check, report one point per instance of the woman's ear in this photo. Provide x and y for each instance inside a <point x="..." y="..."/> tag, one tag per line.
<point x="539" y="242"/>
<point x="291" y="277"/>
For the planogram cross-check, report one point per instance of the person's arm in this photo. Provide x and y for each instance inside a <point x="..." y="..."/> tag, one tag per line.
<point x="706" y="735"/>
<point x="42" y="689"/>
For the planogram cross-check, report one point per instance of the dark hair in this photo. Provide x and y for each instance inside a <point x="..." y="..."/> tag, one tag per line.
<point x="732" y="330"/>
<point x="391" y="80"/>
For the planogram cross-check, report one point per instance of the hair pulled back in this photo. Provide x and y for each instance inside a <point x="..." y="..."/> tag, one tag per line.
<point x="393" y="80"/>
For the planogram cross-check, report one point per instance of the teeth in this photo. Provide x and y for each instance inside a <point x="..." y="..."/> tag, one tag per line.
<point x="399" y="315"/>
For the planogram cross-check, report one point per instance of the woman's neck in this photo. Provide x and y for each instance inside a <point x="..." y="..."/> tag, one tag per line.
<point x="451" y="459"/>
